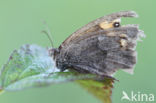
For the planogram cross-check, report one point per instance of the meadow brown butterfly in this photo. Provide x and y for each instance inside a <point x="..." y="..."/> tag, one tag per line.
<point x="101" y="47"/>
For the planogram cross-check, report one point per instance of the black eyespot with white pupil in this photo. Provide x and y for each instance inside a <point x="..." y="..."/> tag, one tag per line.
<point x="116" y="24"/>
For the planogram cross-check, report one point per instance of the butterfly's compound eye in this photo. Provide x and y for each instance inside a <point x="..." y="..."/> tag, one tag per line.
<point x="116" y="24"/>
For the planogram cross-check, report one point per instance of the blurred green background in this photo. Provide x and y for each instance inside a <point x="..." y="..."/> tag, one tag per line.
<point x="21" y="22"/>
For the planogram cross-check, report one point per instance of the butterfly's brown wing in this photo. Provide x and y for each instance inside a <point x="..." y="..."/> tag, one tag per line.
<point x="98" y="24"/>
<point x="101" y="51"/>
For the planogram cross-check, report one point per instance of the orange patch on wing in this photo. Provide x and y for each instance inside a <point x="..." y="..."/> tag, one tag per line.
<point x="106" y="25"/>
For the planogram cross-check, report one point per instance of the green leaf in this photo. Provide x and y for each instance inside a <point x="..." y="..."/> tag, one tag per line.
<point x="28" y="61"/>
<point x="100" y="89"/>
<point x="31" y="66"/>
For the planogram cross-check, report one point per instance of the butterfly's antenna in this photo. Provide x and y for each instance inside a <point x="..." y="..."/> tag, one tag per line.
<point x="48" y="33"/>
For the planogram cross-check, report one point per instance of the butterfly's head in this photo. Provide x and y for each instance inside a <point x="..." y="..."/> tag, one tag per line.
<point x="53" y="52"/>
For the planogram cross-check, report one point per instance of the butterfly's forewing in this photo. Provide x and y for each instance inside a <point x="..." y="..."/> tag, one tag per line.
<point x="100" y="48"/>
<point x="97" y="24"/>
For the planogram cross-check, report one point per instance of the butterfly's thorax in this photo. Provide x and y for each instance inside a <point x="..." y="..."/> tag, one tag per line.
<point x="59" y="59"/>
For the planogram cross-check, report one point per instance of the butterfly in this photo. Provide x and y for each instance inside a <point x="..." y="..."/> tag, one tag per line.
<point x="101" y="47"/>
